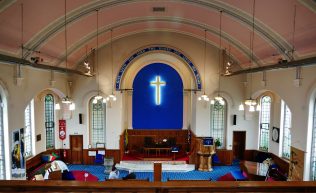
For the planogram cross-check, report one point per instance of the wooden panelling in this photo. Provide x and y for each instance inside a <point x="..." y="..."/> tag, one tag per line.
<point x="89" y="160"/>
<point x="283" y="164"/>
<point x="157" y="172"/>
<point x="35" y="161"/>
<point x="193" y="150"/>
<point x="296" y="169"/>
<point x="250" y="155"/>
<point x="155" y="187"/>
<point x="115" y="153"/>
<point x="136" y="138"/>
<point x="225" y="156"/>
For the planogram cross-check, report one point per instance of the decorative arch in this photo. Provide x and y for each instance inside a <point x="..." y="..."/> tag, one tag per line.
<point x="129" y="61"/>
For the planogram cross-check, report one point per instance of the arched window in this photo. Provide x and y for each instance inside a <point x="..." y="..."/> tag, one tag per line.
<point x="218" y="120"/>
<point x="313" y="156"/>
<point x="286" y="119"/>
<point x="97" y="127"/>
<point x="28" y="121"/>
<point x="265" y="114"/>
<point x="49" y="121"/>
<point x="2" y="160"/>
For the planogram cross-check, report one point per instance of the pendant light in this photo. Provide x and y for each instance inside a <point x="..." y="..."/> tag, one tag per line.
<point x="67" y="99"/>
<point x="86" y="63"/>
<point x="251" y="102"/>
<point x="111" y="97"/>
<point x="19" y="78"/>
<point x="99" y="97"/>
<point x="204" y="97"/>
<point x="219" y="98"/>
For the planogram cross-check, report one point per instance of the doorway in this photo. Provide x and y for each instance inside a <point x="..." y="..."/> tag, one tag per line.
<point x="239" y="144"/>
<point x="76" y="149"/>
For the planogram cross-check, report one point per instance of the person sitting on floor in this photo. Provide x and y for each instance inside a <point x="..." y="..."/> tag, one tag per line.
<point x="130" y="175"/>
<point x="114" y="174"/>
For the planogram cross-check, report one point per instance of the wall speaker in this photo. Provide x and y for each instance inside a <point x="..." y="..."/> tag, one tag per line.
<point x="80" y="118"/>
<point x="234" y="119"/>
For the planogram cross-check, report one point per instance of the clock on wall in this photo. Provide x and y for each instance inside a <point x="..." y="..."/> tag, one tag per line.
<point x="275" y="134"/>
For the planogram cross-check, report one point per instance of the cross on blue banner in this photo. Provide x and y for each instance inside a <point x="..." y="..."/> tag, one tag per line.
<point x="157" y="98"/>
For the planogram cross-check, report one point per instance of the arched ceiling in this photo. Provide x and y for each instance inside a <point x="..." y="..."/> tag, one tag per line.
<point x="44" y="35"/>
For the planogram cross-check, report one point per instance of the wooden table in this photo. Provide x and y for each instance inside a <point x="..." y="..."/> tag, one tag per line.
<point x="256" y="171"/>
<point x="157" y="150"/>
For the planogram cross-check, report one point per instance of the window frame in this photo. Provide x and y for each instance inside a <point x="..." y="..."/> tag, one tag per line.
<point x="2" y="148"/>
<point x="313" y="147"/>
<point x="50" y="121"/>
<point x="222" y="132"/>
<point x="93" y="141"/>
<point x="264" y="130"/>
<point x="28" y="127"/>
<point x="286" y="128"/>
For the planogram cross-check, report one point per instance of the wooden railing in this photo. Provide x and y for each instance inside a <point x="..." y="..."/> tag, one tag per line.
<point x="157" y="187"/>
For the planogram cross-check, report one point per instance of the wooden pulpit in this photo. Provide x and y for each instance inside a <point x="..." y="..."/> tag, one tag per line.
<point x="205" y="155"/>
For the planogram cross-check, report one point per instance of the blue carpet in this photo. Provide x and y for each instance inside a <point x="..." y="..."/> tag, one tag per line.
<point x="217" y="172"/>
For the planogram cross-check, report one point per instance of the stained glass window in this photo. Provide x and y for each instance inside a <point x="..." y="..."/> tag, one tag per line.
<point x="313" y="156"/>
<point x="2" y="167"/>
<point x="218" y="120"/>
<point x="287" y="117"/>
<point x="97" y="114"/>
<point x="265" y="114"/>
<point x="28" y="129"/>
<point x="49" y="121"/>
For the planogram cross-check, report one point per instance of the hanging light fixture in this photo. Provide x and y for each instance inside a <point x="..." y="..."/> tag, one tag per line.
<point x="99" y="97"/>
<point x="250" y="101"/>
<point x="219" y="98"/>
<point x="57" y="106"/>
<point x="67" y="99"/>
<point x="86" y="63"/>
<point x="204" y="97"/>
<point x="229" y="63"/>
<point x="19" y="77"/>
<point x="111" y="97"/>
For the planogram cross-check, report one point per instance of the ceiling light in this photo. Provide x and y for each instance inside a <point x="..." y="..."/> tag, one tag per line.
<point x="204" y="97"/>
<point x="57" y="106"/>
<point x="251" y="102"/>
<point x="111" y="97"/>
<point x="219" y="98"/>
<point x="98" y="97"/>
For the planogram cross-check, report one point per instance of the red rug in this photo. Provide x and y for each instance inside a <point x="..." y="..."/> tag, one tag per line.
<point x="80" y="176"/>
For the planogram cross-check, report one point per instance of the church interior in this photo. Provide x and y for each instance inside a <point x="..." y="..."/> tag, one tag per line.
<point x="159" y="93"/>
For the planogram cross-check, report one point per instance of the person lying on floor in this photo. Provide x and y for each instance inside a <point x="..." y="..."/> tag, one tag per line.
<point x="114" y="174"/>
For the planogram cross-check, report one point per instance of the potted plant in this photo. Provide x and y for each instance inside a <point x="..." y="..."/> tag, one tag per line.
<point x="217" y="143"/>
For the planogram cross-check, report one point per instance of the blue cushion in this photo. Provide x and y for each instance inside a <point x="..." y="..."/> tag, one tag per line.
<point x="238" y="175"/>
<point x="68" y="176"/>
<point x="215" y="159"/>
<point x="99" y="159"/>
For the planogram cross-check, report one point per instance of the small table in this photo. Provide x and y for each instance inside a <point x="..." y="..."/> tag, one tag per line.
<point x="256" y="171"/>
<point x="157" y="150"/>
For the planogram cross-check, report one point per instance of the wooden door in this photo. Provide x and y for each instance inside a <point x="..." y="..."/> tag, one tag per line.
<point x="239" y="144"/>
<point x="76" y="149"/>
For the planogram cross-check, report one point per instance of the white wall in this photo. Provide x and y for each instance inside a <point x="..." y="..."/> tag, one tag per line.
<point x="298" y="99"/>
<point x="279" y="82"/>
<point x="18" y="97"/>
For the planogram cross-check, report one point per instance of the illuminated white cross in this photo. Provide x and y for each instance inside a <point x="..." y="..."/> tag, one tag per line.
<point x="157" y="84"/>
